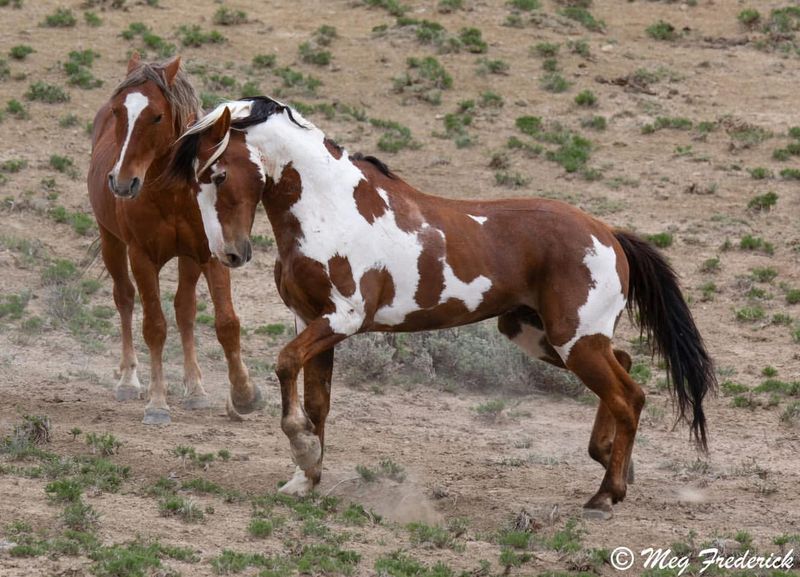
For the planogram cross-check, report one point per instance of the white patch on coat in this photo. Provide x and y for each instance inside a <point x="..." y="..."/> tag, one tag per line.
<point x="135" y="102"/>
<point x="258" y="159"/>
<point x="299" y="485"/>
<point x="529" y="339"/>
<point x="478" y="219"/>
<point x="605" y="302"/>
<point x="207" y="200"/>
<point x="332" y="225"/>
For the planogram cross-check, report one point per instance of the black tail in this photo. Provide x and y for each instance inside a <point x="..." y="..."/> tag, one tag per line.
<point x="665" y="318"/>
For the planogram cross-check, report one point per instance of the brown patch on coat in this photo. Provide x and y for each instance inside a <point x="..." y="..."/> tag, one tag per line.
<point x="334" y="149"/>
<point x="369" y="203"/>
<point x="342" y="275"/>
<point x="431" y="269"/>
<point x="378" y="286"/>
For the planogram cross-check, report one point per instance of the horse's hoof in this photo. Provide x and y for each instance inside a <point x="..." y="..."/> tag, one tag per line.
<point x="127" y="393"/>
<point x="257" y="402"/>
<point x="196" y="403"/>
<point x="597" y="514"/>
<point x="631" y="476"/>
<point x="299" y="485"/>
<point x="156" y="417"/>
<point x="232" y="414"/>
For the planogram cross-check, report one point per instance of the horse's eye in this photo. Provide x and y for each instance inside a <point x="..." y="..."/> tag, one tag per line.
<point x="158" y="118"/>
<point x="219" y="178"/>
<point x="114" y="111"/>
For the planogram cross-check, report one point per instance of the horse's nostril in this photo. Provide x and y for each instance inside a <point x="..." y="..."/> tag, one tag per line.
<point x="233" y="258"/>
<point x="136" y="184"/>
<point x="111" y="184"/>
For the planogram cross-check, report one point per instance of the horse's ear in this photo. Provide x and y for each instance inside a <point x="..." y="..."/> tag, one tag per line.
<point x="220" y="128"/>
<point x="171" y="70"/>
<point x="134" y="62"/>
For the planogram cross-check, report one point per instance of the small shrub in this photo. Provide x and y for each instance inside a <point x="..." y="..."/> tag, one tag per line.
<point x="586" y="98"/>
<point x="525" y="5"/>
<point x="92" y="19"/>
<point x="264" y="61"/>
<point x="546" y="49"/>
<point x="760" y="173"/>
<point x="61" y="18"/>
<point x="661" y="239"/>
<point x="225" y="16"/>
<point x="763" y="202"/>
<point x="582" y="15"/>
<point x="395" y="136"/>
<point x="194" y="36"/>
<point x="554" y="82"/>
<point x="598" y="123"/>
<point x="755" y="243"/>
<point x="749" y="17"/>
<point x="472" y="40"/>
<point x="49" y="93"/>
<point x="662" y="31"/>
<point x="20" y="52"/>
<point x="750" y="314"/>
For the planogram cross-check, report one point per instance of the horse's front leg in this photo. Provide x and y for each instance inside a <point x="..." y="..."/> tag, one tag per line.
<point x="244" y="397"/>
<point x="311" y="350"/>
<point x="154" y="327"/>
<point x="185" y="313"/>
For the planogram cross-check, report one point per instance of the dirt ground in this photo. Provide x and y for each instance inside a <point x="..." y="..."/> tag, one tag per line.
<point x="694" y="183"/>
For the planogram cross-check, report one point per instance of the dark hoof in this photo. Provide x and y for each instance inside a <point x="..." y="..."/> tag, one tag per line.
<point x="256" y="403"/>
<point x="631" y="476"/>
<point x="156" y="417"/>
<point x="196" y="403"/>
<point x="127" y="393"/>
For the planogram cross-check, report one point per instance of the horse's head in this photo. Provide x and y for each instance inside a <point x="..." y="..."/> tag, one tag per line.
<point x="147" y="120"/>
<point x="229" y="182"/>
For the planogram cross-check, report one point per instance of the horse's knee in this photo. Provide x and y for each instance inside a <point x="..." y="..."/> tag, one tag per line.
<point x="287" y="365"/>
<point x="227" y="325"/>
<point x="600" y="451"/>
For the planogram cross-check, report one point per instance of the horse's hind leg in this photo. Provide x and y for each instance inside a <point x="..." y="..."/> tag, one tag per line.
<point x="594" y="362"/>
<point x="185" y="312"/>
<point x="602" y="437"/>
<point x="243" y="396"/>
<point x="317" y="374"/>
<point x="115" y="257"/>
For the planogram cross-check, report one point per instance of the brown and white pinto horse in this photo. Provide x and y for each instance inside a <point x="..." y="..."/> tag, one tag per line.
<point x="143" y="217"/>
<point x="360" y="250"/>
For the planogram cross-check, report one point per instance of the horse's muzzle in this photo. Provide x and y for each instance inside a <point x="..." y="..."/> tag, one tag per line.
<point x="237" y="254"/>
<point x="124" y="188"/>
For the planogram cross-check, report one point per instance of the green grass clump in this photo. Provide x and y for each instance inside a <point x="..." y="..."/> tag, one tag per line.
<point x="582" y="15"/>
<point x="92" y="19"/>
<point x="260" y="528"/>
<point x="750" y="314"/>
<point x="20" y="52"/>
<point x="264" y="60"/>
<point x="80" y="222"/>
<point x="61" y="18"/>
<point x="764" y="274"/>
<point x="515" y="539"/>
<point x="760" y="173"/>
<point x="273" y="330"/>
<point x="763" y="202"/>
<point x="194" y="36"/>
<point x="225" y="16"/>
<point x="398" y="564"/>
<point x="12" y="306"/>
<point x="530" y="125"/>
<point x="525" y="5"/>
<point x="423" y="534"/>
<point x="665" y="122"/>
<point x="16" y="109"/>
<point x="311" y="55"/>
<point x="472" y="40"/>
<point x="491" y="408"/>
<point x="790" y="174"/>
<point x="392" y="6"/>
<point x="756" y="243"/>
<point x="661" y="239"/>
<point x="598" y="123"/>
<point x="789" y="389"/>
<point x="732" y="388"/>
<point x="572" y="154"/>
<point x="546" y="49"/>
<point x="64" y="490"/>
<point x="177" y="506"/>
<point x="662" y="31"/>
<point x="554" y="82"/>
<point x="586" y="98"/>
<point x="486" y="66"/>
<point x="431" y="70"/>
<point x="749" y="17"/>
<point x="294" y="79"/>
<point x="395" y="137"/>
<point x="48" y="93"/>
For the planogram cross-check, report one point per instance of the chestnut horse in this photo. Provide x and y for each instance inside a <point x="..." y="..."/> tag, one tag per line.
<point x="360" y="250"/>
<point x="143" y="218"/>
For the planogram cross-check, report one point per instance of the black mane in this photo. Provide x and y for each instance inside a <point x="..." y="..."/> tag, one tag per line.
<point x="263" y="107"/>
<point x="183" y="158"/>
<point x="375" y="161"/>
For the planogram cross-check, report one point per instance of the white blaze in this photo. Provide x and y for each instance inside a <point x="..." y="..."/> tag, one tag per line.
<point x="207" y="200"/>
<point x="598" y="315"/>
<point x="478" y="219"/>
<point x="135" y="102"/>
